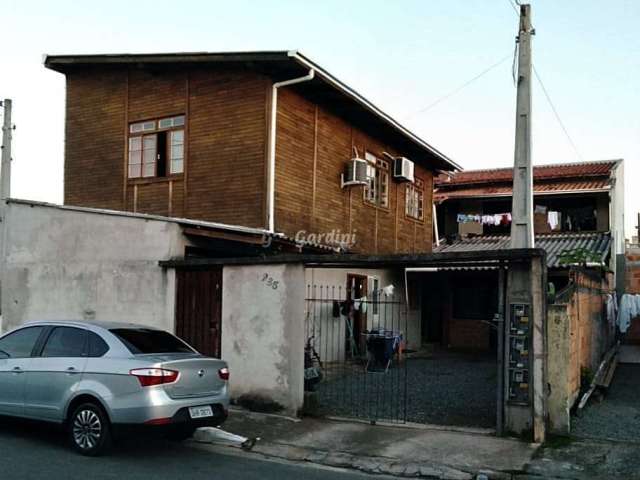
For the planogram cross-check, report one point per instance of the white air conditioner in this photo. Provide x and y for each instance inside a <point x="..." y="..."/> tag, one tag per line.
<point x="355" y="173"/>
<point x="403" y="169"/>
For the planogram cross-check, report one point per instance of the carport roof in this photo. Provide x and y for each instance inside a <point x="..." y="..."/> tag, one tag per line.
<point x="554" y="244"/>
<point x="482" y="258"/>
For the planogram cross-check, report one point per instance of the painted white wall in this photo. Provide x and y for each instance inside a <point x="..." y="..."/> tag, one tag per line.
<point x="616" y="215"/>
<point x="263" y="332"/>
<point x="67" y="265"/>
<point x="322" y="283"/>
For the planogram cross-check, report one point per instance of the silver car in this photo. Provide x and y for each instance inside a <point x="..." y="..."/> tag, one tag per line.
<point x="99" y="379"/>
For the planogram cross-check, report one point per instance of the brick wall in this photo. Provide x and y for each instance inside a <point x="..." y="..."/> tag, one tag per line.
<point x="591" y="335"/>
<point x="632" y="273"/>
<point x="632" y="285"/>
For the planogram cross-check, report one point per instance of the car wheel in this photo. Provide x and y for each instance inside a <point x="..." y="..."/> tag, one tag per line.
<point x="180" y="434"/>
<point x="89" y="430"/>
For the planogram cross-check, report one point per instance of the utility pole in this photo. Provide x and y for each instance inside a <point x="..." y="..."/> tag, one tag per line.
<point x="5" y="192"/>
<point x="5" y="166"/>
<point x="524" y="327"/>
<point x="522" y="202"/>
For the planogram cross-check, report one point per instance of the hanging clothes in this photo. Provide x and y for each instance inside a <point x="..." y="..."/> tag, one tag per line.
<point x="629" y="308"/>
<point x="553" y="220"/>
<point x="612" y="308"/>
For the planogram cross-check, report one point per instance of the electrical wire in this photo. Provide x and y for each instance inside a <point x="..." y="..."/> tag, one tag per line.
<point x="555" y="112"/>
<point x="513" y="5"/>
<point x="461" y="87"/>
<point x="546" y="92"/>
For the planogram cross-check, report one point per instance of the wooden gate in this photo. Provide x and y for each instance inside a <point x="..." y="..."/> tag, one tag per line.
<point x="199" y="309"/>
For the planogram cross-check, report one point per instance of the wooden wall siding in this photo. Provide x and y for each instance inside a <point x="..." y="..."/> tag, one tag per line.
<point x="94" y="145"/>
<point x="225" y="150"/>
<point x="153" y="198"/>
<point x="156" y="94"/>
<point x="299" y="206"/>
<point x="227" y="142"/>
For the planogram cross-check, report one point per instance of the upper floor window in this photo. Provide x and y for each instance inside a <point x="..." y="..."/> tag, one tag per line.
<point x="156" y="147"/>
<point x="414" y="200"/>
<point x="376" y="191"/>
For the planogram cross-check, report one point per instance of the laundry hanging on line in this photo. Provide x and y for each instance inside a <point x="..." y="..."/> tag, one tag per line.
<point x="493" y="219"/>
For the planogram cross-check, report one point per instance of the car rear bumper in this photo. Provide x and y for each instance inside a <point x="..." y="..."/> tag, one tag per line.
<point x="180" y="420"/>
<point x="153" y="406"/>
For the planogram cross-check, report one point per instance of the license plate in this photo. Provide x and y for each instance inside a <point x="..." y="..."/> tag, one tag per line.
<point x="200" y="412"/>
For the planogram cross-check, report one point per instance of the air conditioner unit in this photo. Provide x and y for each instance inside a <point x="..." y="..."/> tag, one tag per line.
<point x="355" y="173"/>
<point x="403" y="169"/>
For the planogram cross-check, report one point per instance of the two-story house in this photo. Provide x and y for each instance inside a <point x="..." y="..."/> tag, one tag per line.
<point x="259" y="139"/>
<point x="223" y="147"/>
<point x="578" y="208"/>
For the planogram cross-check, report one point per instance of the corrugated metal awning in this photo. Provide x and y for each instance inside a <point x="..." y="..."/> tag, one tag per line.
<point x="554" y="244"/>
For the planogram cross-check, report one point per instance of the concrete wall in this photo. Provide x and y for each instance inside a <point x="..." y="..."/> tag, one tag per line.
<point x="65" y="264"/>
<point x="263" y="332"/>
<point x="562" y="374"/>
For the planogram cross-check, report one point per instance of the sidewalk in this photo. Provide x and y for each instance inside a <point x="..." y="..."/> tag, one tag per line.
<point x="399" y="451"/>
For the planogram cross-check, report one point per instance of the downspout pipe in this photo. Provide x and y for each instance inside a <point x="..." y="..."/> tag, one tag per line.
<point x="271" y="175"/>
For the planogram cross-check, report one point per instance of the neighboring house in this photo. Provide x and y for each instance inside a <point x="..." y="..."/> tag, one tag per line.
<point x="216" y="137"/>
<point x="578" y="222"/>
<point x="577" y="206"/>
<point x="188" y="178"/>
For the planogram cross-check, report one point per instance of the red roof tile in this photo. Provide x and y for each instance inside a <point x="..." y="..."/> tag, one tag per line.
<point x="540" y="188"/>
<point x="541" y="172"/>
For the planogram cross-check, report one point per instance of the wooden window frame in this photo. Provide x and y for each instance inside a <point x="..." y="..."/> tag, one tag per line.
<point x="381" y="177"/>
<point x="142" y="133"/>
<point x="415" y="189"/>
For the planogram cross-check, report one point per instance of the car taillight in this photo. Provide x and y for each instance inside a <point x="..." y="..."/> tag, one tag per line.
<point x="154" y="376"/>
<point x="223" y="373"/>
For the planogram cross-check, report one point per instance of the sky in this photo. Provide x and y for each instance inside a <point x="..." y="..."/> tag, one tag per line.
<point x="403" y="55"/>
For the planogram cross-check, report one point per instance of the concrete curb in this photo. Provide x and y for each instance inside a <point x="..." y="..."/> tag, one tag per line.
<point x="373" y="465"/>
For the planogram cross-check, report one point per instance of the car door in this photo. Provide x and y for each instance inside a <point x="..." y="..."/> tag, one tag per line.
<point x="55" y="373"/>
<point x="16" y="350"/>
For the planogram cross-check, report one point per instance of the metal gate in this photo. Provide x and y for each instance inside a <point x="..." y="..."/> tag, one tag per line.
<point x="199" y="309"/>
<point x="354" y="351"/>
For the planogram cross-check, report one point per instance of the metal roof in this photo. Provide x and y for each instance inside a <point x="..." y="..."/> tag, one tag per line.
<point x="286" y="61"/>
<point x="554" y="244"/>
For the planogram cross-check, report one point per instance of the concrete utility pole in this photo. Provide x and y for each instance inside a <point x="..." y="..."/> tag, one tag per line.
<point x="5" y="166"/>
<point x="5" y="192"/>
<point x="522" y="203"/>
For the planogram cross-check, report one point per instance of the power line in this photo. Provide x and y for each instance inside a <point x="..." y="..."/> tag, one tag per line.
<point x="461" y="87"/>
<point x="555" y="112"/>
<point x="513" y="4"/>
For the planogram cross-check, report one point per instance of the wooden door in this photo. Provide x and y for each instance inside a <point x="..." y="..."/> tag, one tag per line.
<point x="199" y="309"/>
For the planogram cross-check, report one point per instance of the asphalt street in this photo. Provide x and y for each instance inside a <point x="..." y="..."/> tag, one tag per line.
<point x="39" y="451"/>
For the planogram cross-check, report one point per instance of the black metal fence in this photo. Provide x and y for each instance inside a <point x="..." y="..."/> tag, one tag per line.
<point x="354" y="353"/>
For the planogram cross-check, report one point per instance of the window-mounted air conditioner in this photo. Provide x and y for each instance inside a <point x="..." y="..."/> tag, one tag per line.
<point x="355" y="173"/>
<point x="403" y="169"/>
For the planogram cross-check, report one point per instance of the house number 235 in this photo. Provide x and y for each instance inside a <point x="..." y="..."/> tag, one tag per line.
<point x="269" y="281"/>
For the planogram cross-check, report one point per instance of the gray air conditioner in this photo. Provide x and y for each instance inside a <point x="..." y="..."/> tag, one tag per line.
<point x="403" y="169"/>
<point x="355" y="173"/>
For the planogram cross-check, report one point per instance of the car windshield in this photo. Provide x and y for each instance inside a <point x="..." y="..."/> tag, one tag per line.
<point x="141" y="341"/>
